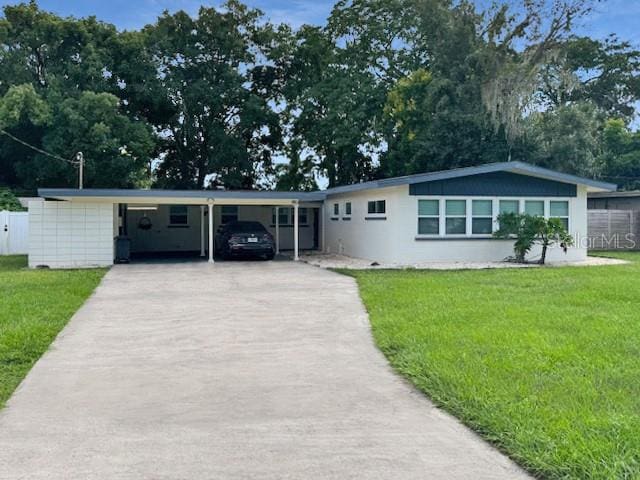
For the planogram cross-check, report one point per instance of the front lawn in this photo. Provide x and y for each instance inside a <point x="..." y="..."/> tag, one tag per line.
<point x="34" y="306"/>
<point x="543" y="362"/>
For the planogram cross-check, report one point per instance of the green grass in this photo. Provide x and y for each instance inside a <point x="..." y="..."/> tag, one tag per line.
<point x="544" y="362"/>
<point x="34" y="306"/>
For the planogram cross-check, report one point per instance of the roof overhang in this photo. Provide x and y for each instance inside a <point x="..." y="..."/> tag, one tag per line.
<point x="182" y="197"/>
<point x="512" y="167"/>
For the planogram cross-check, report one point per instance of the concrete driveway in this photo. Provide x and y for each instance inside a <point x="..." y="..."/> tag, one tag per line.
<point x="261" y="370"/>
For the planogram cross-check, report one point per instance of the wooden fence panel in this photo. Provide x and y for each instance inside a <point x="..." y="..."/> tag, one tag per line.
<point x="613" y="229"/>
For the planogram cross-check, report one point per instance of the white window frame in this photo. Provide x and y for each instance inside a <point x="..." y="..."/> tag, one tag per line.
<point x="492" y="217"/>
<point x="466" y="216"/>
<point x="377" y="214"/>
<point x="439" y="217"/>
<point x="350" y="212"/>
<point x="568" y="216"/>
<point x="496" y="211"/>
<point x="172" y="224"/>
<point x="288" y="212"/>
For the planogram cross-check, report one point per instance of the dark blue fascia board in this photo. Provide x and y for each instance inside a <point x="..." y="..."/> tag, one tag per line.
<point x="495" y="184"/>
<point x="513" y="167"/>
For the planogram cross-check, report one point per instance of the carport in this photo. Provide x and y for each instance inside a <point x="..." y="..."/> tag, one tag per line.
<point x="186" y="218"/>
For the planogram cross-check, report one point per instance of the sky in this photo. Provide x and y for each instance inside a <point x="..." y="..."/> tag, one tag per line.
<point x="610" y="16"/>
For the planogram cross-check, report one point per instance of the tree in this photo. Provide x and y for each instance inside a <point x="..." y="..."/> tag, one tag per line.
<point x="621" y="154"/>
<point x="603" y="72"/>
<point x="567" y="138"/>
<point x="527" y="230"/>
<point x="61" y="93"/>
<point x="8" y="201"/>
<point x="219" y="124"/>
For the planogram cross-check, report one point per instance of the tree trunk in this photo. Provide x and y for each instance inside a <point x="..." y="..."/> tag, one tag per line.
<point x="543" y="256"/>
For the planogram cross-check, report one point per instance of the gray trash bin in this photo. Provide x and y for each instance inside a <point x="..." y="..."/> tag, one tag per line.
<point x="123" y="249"/>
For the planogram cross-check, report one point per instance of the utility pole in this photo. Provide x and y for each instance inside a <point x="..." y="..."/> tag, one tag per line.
<point x="80" y="160"/>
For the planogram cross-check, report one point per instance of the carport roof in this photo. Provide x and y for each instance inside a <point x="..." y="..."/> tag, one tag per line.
<point x="253" y="196"/>
<point x="158" y="195"/>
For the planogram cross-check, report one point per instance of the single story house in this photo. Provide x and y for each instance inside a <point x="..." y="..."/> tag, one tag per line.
<point x="438" y="216"/>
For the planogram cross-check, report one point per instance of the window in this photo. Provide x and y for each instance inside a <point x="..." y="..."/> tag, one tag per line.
<point x="178" y="215"/>
<point x="347" y="208"/>
<point x="285" y="216"/>
<point x="560" y="209"/>
<point x="534" y="207"/>
<point x="302" y="216"/>
<point x="455" y="217"/>
<point x="428" y="217"/>
<point x="229" y="214"/>
<point x="509" y="206"/>
<point x="377" y="207"/>
<point x="481" y="217"/>
<point x="336" y="209"/>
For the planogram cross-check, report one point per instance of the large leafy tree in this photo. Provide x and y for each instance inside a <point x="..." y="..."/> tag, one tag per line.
<point x="217" y="123"/>
<point x="61" y="93"/>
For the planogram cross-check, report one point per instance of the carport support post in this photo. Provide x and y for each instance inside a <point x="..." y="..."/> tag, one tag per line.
<point x="210" y="231"/>
<point x="277" y="230"/>
<point x="202" y="231"/>
<point x="295" y="232"/>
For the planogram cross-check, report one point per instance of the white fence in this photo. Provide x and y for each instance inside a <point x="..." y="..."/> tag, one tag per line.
<point x="14" y="233"/>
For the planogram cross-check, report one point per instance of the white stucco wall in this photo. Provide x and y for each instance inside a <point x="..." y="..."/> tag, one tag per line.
<point x="70" y="234"/>
<point x="396" y="238"/>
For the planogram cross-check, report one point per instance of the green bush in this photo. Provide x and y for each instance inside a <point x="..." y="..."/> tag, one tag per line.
<point x="527" y="230"/>
<point x="8" y="201"/>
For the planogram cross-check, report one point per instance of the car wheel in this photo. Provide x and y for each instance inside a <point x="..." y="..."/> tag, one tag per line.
<point x="269" y="256"/>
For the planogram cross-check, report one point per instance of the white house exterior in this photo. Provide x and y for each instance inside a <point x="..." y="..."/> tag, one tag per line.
<point x="434" y="217"/>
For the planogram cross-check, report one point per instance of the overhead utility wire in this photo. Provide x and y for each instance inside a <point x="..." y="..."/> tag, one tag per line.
<point x="75" y="163"/>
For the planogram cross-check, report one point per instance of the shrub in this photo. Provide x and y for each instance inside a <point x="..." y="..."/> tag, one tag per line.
<point x="527" y="230"/>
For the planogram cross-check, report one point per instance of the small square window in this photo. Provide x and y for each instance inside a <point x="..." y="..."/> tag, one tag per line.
<point x="376" y="206"/>
<point x="534" y="207"/>
<point x="178" y="215"/>
<point x="428" y="225"/>
<point x="302" y="216"/>
<point x="428" y="207"/>
<point x="482" y="208"/>
<point x="229" y="214"/>
<point x="456" y="207"/>
<point x="509" y="206"/>
<point x="559" y="209"/>
<point x="456" y="226"/>
<point x="481" y="225"/>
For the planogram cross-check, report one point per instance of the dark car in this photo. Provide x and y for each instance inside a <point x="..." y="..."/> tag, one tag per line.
<point x="244" y="239"/>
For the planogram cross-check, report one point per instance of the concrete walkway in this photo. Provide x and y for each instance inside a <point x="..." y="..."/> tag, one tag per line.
<point x="261" y="370"/>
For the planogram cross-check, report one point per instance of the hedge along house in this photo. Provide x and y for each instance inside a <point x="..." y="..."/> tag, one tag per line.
<point x="434" y="217"/>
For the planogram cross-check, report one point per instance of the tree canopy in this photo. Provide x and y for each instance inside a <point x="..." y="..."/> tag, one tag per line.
<point x="226" y="99"/>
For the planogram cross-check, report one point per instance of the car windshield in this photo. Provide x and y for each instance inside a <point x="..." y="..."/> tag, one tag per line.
<point x="246" y="227"/>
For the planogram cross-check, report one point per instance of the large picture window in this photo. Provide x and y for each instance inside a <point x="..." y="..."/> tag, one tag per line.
<point x="455" y="217"/>
<point x="428" y="217"/>
<point x="478" y="217"/>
